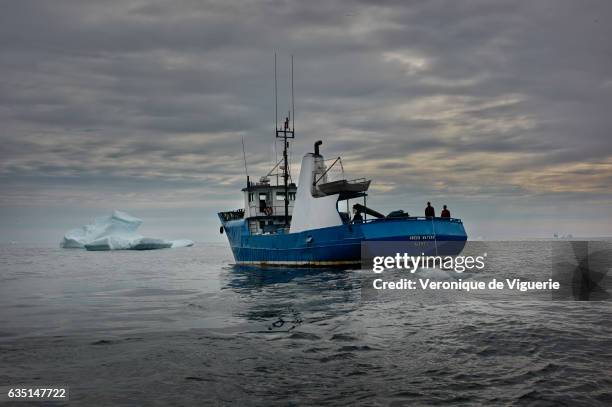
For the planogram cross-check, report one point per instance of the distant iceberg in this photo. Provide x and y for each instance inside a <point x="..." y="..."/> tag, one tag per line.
<point x="116" y="232"/>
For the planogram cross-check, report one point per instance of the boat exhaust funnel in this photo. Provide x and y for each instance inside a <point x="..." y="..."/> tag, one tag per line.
<point x="316" y="147"/>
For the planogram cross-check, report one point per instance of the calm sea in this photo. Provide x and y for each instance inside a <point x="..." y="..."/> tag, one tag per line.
<point x="184" y="327"/>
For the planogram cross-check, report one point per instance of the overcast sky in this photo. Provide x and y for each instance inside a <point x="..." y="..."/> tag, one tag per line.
<point x="501" y="110"/>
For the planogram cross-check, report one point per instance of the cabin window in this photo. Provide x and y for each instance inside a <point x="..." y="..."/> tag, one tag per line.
<point x="263" y="197"/>
<point x="262" y="224"/>
<point x="251" y="196"/>
<point x="280" y="196"/>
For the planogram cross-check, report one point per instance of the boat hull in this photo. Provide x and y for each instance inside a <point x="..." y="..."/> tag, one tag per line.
<point x="345" y="245"/>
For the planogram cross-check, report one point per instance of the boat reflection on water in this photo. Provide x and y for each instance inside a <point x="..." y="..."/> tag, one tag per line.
<point x="285" y="298"/>
<point x="242" y="278"/>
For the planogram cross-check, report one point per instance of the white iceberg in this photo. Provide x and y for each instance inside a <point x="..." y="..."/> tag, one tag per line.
<point x="182" y="243"/>
<point x="116" y="232"/>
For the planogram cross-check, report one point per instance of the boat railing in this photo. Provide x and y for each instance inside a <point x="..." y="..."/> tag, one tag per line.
<point x="452" y="220"/>
<point x="232" y="215"/>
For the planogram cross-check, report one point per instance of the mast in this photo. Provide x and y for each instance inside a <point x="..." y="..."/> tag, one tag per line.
<point x="285" y="133"/>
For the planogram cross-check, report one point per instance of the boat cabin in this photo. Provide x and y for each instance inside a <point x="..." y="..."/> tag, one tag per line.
<point x="264" y="206"/>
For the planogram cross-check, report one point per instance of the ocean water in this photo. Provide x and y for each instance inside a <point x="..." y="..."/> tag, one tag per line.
<point x="185" y="327"/>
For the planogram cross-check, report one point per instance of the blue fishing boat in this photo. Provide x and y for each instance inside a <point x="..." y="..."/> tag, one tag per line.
<point x="289" y="225"/>
<point x="310" y="224"/>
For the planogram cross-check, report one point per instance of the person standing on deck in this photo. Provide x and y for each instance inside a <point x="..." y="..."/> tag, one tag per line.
<point x="445" y="213"/>
<point x="357" y="218"/>
<point x="430" y="212"/>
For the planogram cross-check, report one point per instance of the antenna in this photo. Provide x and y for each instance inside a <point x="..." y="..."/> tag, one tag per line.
<point x="275" y="115"/>
<point x="286" y="132"/>
<point x="245" y="161"/>
<point x="292" y="100"/>
<point x="275" y="97"/>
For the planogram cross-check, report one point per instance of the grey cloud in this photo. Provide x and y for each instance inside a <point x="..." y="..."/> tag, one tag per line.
<point x="490" y="99"/>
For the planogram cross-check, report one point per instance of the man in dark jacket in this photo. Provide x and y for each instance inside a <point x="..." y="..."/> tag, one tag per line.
<point x="430" y="212"/>
<point x="445" y="213"/>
